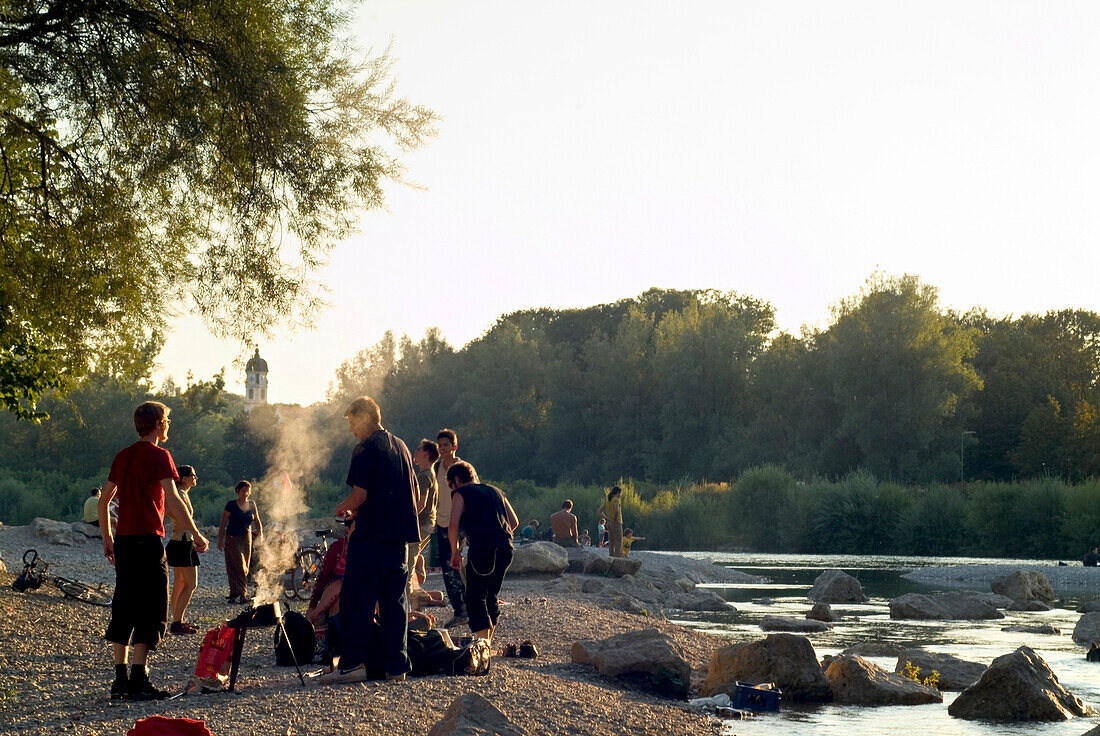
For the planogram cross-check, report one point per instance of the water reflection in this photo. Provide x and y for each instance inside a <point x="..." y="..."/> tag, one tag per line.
<point x="790" y="578"/>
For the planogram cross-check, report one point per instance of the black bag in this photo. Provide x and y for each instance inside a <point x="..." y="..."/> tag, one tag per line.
<point x="430" y="652"/>
<point x="472" y="659"/>
<point x="300" y="632"/>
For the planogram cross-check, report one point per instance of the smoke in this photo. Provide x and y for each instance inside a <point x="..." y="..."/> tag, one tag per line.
<point x="304" y="438"/>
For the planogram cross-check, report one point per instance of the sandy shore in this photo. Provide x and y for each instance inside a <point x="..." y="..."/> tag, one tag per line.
<point x="55" y="667"/>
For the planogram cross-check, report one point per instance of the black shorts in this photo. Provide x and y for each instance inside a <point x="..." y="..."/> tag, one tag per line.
<point x="140" y="606"/>
<point x="181" y="553"/>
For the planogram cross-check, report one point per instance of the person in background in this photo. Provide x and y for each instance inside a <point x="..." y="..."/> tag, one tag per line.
<point x="143" y="477"/>
<point x="564" y="524"/>
<point x="611" y="512"/>
<point x="601" y="533"/>
<point x="489" y="520"/>
<point x="628" y="541"/>
<point x="182" y="557"/>
<point x="326" y="589"/>
<point x="585" y="539"/>
<point x="1091" y="558"/>
<point x="447" y="443"/>
<point x="91" y="509"/>
<point x="239" y="519"/>
<point x="530" y="532"/>
<point x="426" y="501"/>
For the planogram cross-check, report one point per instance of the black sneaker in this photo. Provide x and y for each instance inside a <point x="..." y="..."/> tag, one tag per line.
<point x="142" y="690"/>
<point x="119" y="688"/>
<point x="457" y="621"/>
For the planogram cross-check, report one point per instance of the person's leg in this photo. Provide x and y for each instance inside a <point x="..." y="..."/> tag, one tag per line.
<point x="393" y="608"/>
<point x="456" y="592"/>
<point x="329" y="597"/>
<point x="503" y="558"/>
<point x="235" y="551"/>
<point x="150" y="619"/>
<point x="357" y="600"/>
<point x="615" y="538"/>
<point x="186" y="581"/>
<point x="478" y="562"/>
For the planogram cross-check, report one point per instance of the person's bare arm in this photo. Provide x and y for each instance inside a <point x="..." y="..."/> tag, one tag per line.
<point x="421" y="498"/>
<point x="352" y="503"/>
<point x="510" y="514"/>
<point x="256" y="523"/>
<point x="174" y="505"/>
<point x="105" y="529"/>
<point x="458" y="505"/>
<point x="573" y="529"/>
<point x="221" y="529"/>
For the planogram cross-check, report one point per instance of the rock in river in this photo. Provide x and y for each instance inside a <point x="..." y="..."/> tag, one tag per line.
<point x="788" y="660"/>
<point x="836" y="586"/>
<point x="1018" y="687"/>
<point x="855" y="681"/>
<point x="956" y="606"/>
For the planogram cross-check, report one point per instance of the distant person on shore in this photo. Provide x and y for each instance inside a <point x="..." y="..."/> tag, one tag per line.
<point x="427" y="452"/>
<point x="585" y="539"/>
<point x="601" y="533"/>
<point x="91" y="508"/>
<point x="182" y="557"/>
<point x="143" y="478"/>
<point x="611" y="512"/>
<point x="489" y="520"/>
<point x="564" y="524"/>
<point x="383" y="501"/>
<point x="628" y="541"/>
<point x="530" y="532"/>
<point x="447" y="443"/>
<point x="1091" y="558"/>
<point x="239" y="518"/>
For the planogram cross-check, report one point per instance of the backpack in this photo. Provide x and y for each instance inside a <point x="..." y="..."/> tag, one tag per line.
<point x="472" y="659"/>
<point x="300" y="632"/>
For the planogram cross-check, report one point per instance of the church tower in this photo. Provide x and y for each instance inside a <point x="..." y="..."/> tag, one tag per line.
<point x="255" y="381"/>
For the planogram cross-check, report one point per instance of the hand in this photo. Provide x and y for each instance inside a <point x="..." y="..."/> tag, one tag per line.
<point x="201" y="543"/>
<point x="456" y="560"/>
<point x="109" y="549"/>
<point x="221" y="545"/>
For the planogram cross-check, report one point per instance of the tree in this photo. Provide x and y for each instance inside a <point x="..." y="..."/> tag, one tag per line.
<point x="151" y="150"/>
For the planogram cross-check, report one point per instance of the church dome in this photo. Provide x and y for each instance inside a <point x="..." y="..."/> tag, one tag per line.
<point x="256" y="364"/>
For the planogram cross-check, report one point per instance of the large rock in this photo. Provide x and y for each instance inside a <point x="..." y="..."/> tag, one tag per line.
<point x="596" y="564"/>
<point x="472" y="715"/>
<point x="787" y="660"/>
<point x="855" y="681"/>
<point x="954" y="673"/>
<point x="88" y="530"/>
<point x="623" y="566"/>
<point x="1023" y="585"/>
<point x="836" y="586"/>
<point x="955" y="606"/>
<point x="539" y="557"/>
<point x="1035" y="605"/>
<point x="645" y="658"/>
<point x="1089" y="607"/>
<point x="822" y="612"/>
<point x="1018" y="687"/>
<point x="700" y="600"/>
<point x="875" y="649"/>
<point x="1087" y="630"/>
<point x="1036" y="629"/>
<point x="54" y="532"/>
<point x="578" y="556"/>
<point x="799" y="625"/>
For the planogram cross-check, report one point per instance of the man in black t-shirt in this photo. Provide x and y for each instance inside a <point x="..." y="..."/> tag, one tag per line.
<point x="383" y="500"/>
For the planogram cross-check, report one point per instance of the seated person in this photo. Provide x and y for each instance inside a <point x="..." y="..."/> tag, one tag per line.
<point x="586" y="539"/>
<point x="564" y="524"/>
<point x="420" y="598"/>
<point x="325" y="600"/>
<point x="1091" y="558"/>
<point x="628" y="540"/>
<point x="530" y="532"/>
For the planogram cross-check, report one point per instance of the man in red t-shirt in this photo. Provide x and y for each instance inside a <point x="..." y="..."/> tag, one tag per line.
<point x="144" y="477"/>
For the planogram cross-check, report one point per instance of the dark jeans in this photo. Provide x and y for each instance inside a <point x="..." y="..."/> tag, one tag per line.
<point x="452" y="581"/>
<point x="139" y="610"/>
<point x="485" y="568"/>
<point x="375" y="574"/>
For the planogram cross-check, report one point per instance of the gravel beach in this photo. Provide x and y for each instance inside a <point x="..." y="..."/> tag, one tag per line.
<point x="55" y="667"/>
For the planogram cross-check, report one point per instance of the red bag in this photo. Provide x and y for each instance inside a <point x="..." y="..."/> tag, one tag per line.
<point x="161" y="726"/>
<point x="212" y="669"/>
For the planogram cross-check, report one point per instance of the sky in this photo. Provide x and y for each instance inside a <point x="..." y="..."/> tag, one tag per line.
<point x="787" y="150"/>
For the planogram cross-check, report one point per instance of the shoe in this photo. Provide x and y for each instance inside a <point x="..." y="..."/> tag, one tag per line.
<point x="336" y="677"/>
<point x="395" y="678"/>
<point x="119" y="688"/>
<point x="509" y="651"/>
<point x="182" y="627"/>
<point x="457" y="621"/>
<point x="527" y="650"/>
<point x="143" y="690"/>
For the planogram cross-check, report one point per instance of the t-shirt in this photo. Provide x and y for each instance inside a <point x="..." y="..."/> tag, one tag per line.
<point x="443" y="509"/>
<point x="239" y="521"/>
<point x="425" y="479"/>
<point x="484" y="516"/>
<point x="91" y="510"/>
<point x="628" y="542"/>
<point x="381" y="465"/>
<point x="613" y="509"/>
<point x="137" y="471"/>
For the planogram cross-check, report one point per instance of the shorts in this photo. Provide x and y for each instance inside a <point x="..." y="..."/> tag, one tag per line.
<point x="139" y="610"/>
<point x="181" y="553"/>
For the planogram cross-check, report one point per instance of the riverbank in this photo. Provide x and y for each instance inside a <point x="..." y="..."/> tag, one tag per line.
<point x="55" y="667"/>
<point x="1064" y="579"/>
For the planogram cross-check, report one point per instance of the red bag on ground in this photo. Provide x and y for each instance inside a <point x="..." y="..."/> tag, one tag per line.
<point x="161" y="726"/>
<point x="212" y="669"/>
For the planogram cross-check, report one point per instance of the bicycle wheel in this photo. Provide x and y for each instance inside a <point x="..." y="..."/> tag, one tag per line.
<point x="307" y="566"/>
<point x="82" y="592"/>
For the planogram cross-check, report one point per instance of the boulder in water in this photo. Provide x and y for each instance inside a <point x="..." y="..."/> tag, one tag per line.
<point x="1023" y="585"/>
<point x="855" y="681"/>
<point x="788" y="660"/>
<point x="1018" y="687"/>
<point x="947" y="606"/>
<point x="954" y="673"/>
<point x="836" y="586"/>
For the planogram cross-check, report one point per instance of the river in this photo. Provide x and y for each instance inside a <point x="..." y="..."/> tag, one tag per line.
<point x="791" y="577"/>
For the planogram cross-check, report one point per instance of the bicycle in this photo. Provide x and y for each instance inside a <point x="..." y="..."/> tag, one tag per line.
<point x="36" y="571"/>
<point x="308" y="561"/>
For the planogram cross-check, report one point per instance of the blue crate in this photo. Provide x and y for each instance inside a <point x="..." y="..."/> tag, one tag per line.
<point x="755" y="698"/>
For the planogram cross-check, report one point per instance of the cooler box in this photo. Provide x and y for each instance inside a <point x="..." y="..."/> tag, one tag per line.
<point x="760" y="698"/>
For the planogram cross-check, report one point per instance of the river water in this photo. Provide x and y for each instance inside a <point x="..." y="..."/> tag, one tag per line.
<point x="790" y="578"/>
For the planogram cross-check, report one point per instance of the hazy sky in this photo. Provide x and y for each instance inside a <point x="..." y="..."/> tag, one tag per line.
<point x="787" y="150"/>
